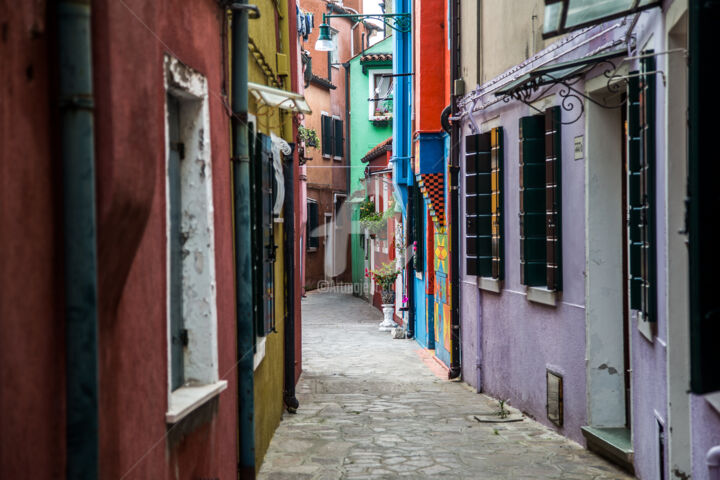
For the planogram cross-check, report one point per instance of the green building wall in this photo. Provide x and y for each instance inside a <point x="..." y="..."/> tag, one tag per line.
<point x="364" y="136"/>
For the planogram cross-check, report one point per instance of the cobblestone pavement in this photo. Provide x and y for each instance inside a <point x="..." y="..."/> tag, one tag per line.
<point x="371" y="408"/>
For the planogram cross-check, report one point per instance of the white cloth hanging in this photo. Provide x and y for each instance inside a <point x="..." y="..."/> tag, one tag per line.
<point x="279" y="148"/>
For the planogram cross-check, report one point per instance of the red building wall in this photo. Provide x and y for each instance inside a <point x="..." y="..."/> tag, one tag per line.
<point x="128" y="48"/>
<point x="431" y="61"/>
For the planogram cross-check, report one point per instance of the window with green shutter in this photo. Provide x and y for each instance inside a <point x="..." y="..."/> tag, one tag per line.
<point x="312" y="224"/>
<point x="337" y="137"/>
<point x="478" y="198"/>
<point x="641" y="189"/>
<point x="533" y="250"/>
<point x="553" y="196"/>
<point x="326" y="132"/>
<point x="496" y="190"/>
<point x="484" y="242"/>
<point x="263" y="238"/>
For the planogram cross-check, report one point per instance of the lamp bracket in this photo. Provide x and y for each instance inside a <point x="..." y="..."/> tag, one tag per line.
<point x="400" y="22"/>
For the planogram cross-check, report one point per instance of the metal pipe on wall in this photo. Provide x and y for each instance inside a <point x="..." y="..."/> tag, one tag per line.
<point x="292" y="170"/>
<point x="242" y="226"/>
<point x="454" y="167"/>
<point x="80" y="237"/>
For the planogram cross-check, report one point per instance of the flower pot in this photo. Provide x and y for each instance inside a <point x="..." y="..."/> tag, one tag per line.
<point x="388" y="296"/>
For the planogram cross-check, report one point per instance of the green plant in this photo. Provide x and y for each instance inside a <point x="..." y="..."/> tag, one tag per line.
<point x="503" y="412"/>
<point x="385" y="275"/>
<point x="309" y="136"/>
<point x="367" y="209"/>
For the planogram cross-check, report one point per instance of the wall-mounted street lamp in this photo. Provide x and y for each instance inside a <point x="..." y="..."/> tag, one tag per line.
<point x="400" y="22"/>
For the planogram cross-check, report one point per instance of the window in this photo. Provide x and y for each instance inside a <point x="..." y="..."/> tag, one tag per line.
<point x="381" y="88"/>
<point x="262" y="199"/>
<point x="191" y="298"/>
<point x="331" y="131"/>
<point x="337" y="138"/>
<point x="540" y="200"/>
<point x="484" y="240"/>
<point x="312" y="225"/>
<point x="418" y="228"/>
<point x="641" y="191"/>
<point x="333" y="54"/>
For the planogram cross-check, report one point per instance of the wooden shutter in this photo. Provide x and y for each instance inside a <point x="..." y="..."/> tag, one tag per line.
<point x="704" y="170"/>
<point x="532" y="201"/>
<point x="553" y="196"/>
<point x="478" y="199"/>
<point x="497" y="206"/>
<point x="268" y="236"/>
<point x="175" y="240"/>
<point x="641" y="187"/>
<point x="312" y="223"/>
<point x="263" y="248"/>
<point x="326" y="132"/>
<point x="338" y="137"/>
<point x="418" y="229"/>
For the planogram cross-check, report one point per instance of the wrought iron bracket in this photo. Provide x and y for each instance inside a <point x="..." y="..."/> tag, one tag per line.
<point x="571" y="98"/>
<point x="400" y="22"/>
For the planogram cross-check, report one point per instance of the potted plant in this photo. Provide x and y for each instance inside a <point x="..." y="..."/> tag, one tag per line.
<point x="370" y="219"/>
<point x="385" y="277"/>
<point x="308" y="136"/>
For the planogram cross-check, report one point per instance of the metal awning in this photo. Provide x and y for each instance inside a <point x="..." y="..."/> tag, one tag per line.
<point x="526" y="89"/>
<point x="562" y="16"/>
<point x="275" y="97"/>
<point x="557" y="72"/>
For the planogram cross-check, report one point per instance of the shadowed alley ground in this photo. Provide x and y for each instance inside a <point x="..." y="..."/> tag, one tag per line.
<point x="372" y="408"/>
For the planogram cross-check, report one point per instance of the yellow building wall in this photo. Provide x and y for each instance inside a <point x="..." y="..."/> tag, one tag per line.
<point x="263" y="69"/>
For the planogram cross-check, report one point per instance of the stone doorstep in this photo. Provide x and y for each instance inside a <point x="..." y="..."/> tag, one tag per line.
<point x="613" y="444"/>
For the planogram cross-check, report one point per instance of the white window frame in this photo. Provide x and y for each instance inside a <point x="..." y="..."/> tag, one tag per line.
<point x="371" y="93"/>
<point x="200" y="360"/>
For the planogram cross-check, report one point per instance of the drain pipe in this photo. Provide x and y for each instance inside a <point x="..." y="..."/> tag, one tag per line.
<point x="80" y="237"/>
<point x="291" y="173"/>
<point x="713" y="463"/>
<point x="453" y="194"/>
<point x="242" y="225"/>
<point x="289" y="398"/>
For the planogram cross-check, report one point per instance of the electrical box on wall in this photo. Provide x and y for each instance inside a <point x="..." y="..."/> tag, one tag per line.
<point x="555" y="398"/>
<point x="283" y="64"/>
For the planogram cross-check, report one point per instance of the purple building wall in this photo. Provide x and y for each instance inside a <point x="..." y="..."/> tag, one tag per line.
<point x="508" y="342"/>
<point x="520" y="339"/>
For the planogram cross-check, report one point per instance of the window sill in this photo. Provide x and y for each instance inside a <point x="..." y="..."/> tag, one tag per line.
<point x="312" y="249"/>
<point x="714" y="400"/>
<point x="542" y="295"/>
<point x="337" y="159"/>
<point x="647" y="329"/>
<point x="490" y="284"/>
<point x="185" y="400"/>
<point x="259" y="354"/>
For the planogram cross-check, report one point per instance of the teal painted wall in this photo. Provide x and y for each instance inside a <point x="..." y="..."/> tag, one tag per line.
<point x="364" y="136"/>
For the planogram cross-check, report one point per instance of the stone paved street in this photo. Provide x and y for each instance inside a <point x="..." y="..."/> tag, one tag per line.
<point x="372" y="408"/>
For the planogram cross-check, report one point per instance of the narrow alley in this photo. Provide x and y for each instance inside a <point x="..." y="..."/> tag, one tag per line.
<point x="372" y="407"/>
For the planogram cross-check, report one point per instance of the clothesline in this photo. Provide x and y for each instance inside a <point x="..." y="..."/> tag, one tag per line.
<point x="305" y="22"/>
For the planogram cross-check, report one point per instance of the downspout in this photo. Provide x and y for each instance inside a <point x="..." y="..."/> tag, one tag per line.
<point x="291" y="402"/>
<point x="713" y="463"/>
<point x="410" y="227"/>
<point x="346" y="66"/>
<point x="291" y="173"/>
<point x="80" y="237"/>
<point x="242" y="226"/>
<point x="453" y="194"/>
